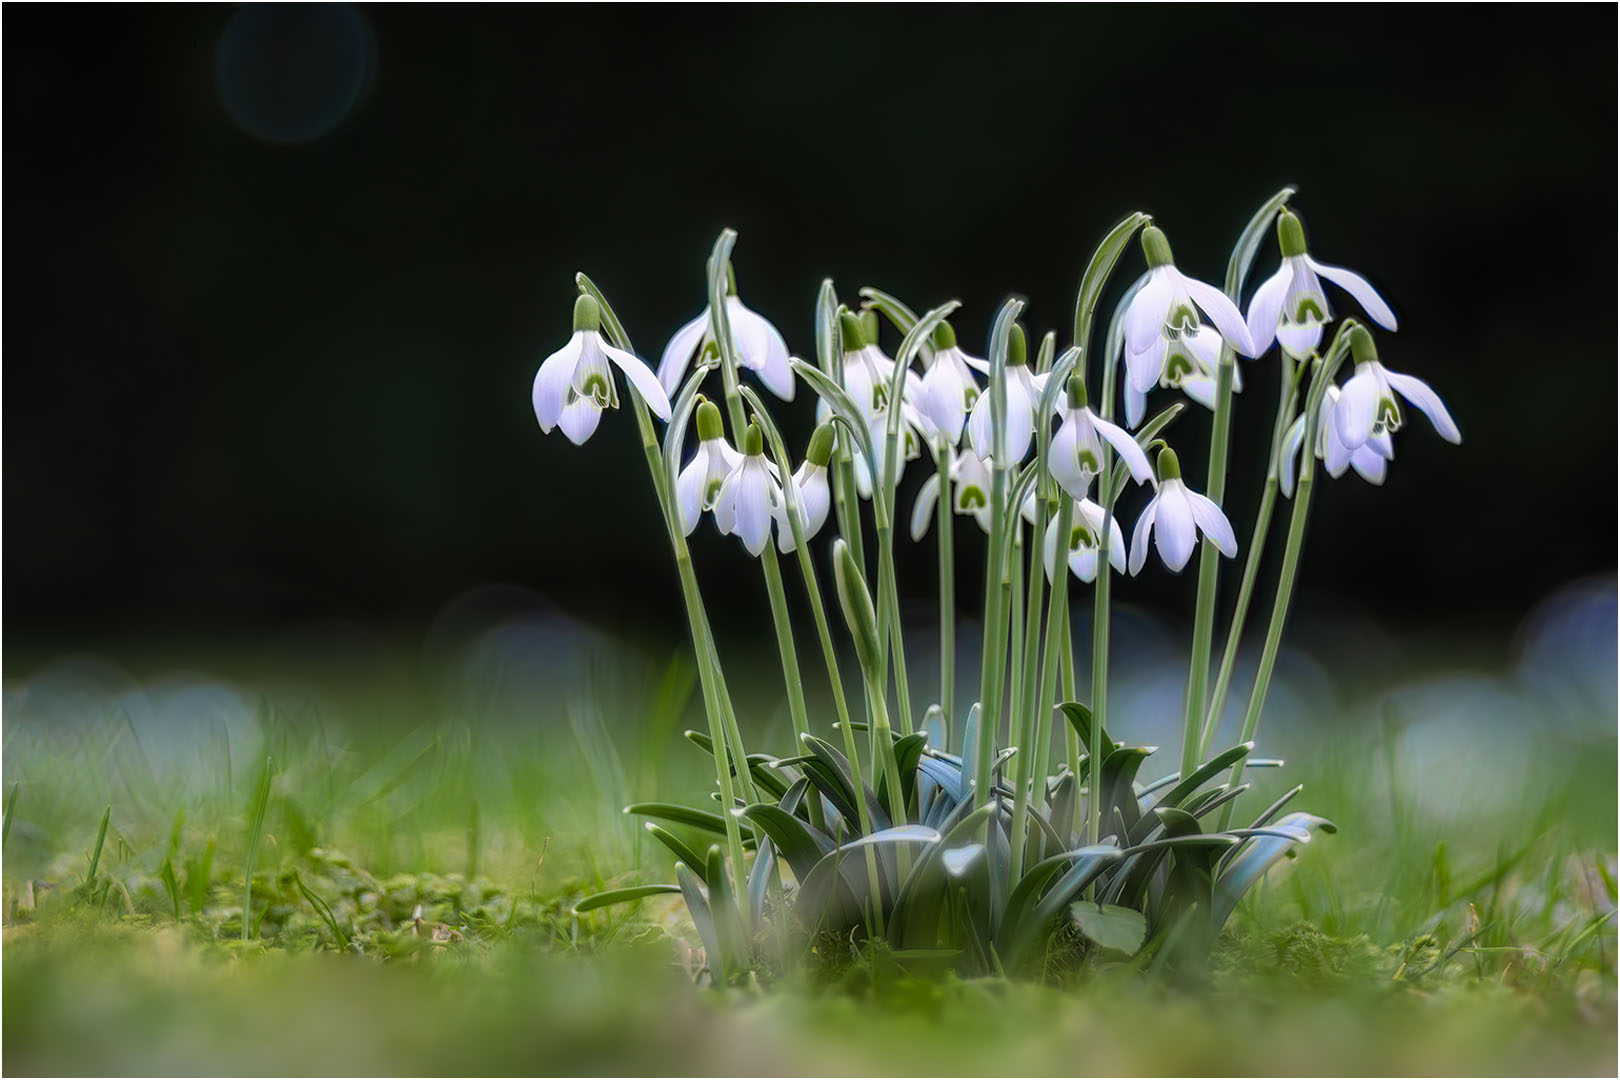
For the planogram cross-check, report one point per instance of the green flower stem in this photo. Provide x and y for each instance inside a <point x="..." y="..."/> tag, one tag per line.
<point x="1014" y="584"/>
<point x="1030" y="761"/>
<point x="1209" y="568"/>
<point x="1296" y="539"/>
<point x="1100" y="620"/>
<point x="697" y="619"/>
<point x="947" y="594"/>
<point x="1057" y="642"/>
<point x="1071" y="737"/>
<point x="720" y="327"/>
<point x="1286" y="396"/>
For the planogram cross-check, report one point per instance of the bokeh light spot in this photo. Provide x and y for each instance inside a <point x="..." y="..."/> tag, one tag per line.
<point x="290" y="72"/>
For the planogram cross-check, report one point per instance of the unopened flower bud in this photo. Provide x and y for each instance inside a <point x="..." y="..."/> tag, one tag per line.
<point x="856" y="603"/>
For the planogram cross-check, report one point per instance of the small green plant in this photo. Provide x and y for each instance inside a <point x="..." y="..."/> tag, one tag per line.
<point x="952" y="836"/>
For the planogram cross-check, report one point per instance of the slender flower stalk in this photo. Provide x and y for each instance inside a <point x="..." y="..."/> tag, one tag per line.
<point x="947" y="601"/>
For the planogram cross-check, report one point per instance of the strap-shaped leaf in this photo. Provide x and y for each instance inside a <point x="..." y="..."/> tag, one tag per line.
<point x="1097" y="272"/>
<point x="682" y="851"/>
<point x="621" y="896"/>
<point x="1263" y="851"/>
<point x="759" y="879"/>
<point x="897" y="311"/>
<point x="697" y="905"/>
<point x="835" y="761"/>
<point x="916" y="905"/>
<point x="1079" y="717"/>
<point x="723" y="909"/>
<point x="800" y="843"/>
<point x="1089" y="863"/>
<point x="817" y="891"/>
<point x="1119" y="770"/>
<point x="1203" y="774"/>
<point x="908" y="751"/>
<point x="706" y="820"/>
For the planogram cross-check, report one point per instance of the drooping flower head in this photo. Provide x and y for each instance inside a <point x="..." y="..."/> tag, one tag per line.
<point x="1163" y="325"/>
<point x="1075" y="456"/>
<point x="810" y="490"/>
<point x="1175" y="517"/>
<point x="1367" y="406"/>
<point x="1370" y="460"/>
<point x="948" y="387"/>
<point x="969" y="483"/>
<point x="698" y="485"/>
<point x="760" y="346"/>
<point x="1085" y="541"/>
<point x="1023" y="393"/>
<point x="750" y="497"/>
<point x="575" y="383"/>
<point x="1291" y="306"/>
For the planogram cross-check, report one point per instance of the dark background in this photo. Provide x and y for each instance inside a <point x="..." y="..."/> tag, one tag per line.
<point x="268" y="352"/>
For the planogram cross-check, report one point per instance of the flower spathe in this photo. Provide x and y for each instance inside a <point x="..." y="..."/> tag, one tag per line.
<point x="760" y="347"/>
<point x="750" y="498"/>
<point x="1175" y="517"/>
<point x="1075" y="456"/>
<point x="575" y="383"/>
<point x="1291" y="306"/>
<point x="1367" y="406"/>
<point x="1085" y="540"/>
<point x="1165" y="312"/>
<point x="698" y="485"/>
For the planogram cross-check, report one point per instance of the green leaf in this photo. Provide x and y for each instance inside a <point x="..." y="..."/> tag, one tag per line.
<point x="706" y="820"/>
<point x="917" y="903"/>
<point x="1079" y="717"/>
<point x="1262" y="852"/>
<point x="11" y="806"/>
<point x="728" y="925"/>
<point x="1089" y="863"/>
<point x="907" y="751"/>
<point x="1214" y="766"/>
<point x="321" y="908"/>
<point x="759" y="879"/>
<point x="1117" y="928"/>
<point x="624" y="896"/>
<point x="838" y="767"/>
<point x="816" y="890"/>
<point x="682" y="851"/>
<point x="1119" y="770"/>
<point x="801" y="844"/>
<point x="697" y="905"/>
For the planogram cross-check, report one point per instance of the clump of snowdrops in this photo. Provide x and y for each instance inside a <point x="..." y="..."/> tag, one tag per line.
<point x="948" y="834"/>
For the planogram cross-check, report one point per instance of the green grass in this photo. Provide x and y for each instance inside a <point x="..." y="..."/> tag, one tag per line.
<point x="420" y="853"/>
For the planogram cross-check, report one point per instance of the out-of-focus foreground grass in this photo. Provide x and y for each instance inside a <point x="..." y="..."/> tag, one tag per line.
<point x="447" y="815"/>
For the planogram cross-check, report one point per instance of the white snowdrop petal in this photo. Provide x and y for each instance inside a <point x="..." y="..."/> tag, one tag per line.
<point x="642" y="378"/>
<point x="1222" y="313"/>
<point x="1126" y="447"/>
<point x="1141" y="534"/>
<point x="1427" y="401"/>
<point x="922" y="510"/>
<point x="678" y="353"/>
<point x="1213" y="523"/>
<point x="1357" y="405"/>
<point x="551" y="382"/>
<point x="1358" y="287"/>
<point x="1144" y="317"/>
<point x="1265" y="309"/>
<point x="578" y="421"/>
<point x="1173" y="527"/>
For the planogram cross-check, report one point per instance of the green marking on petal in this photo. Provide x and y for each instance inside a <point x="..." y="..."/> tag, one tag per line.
<point x="1388" y="417"/>
<point x="1088" y="462"/>
<point x="1308" y="310"/>
<point x="1177" y="366"/>
<point x="711" y="492"/>
<point x="1183" y="319"/>
<point x="971" y="497"/>
<point x="597" y="388"/>
<point x="970" y="394"/>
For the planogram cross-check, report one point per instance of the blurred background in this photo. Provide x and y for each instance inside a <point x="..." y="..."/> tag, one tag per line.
<point x="281" y="277"/>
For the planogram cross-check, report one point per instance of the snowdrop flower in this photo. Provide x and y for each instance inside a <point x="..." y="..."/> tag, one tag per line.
<point x="1085" y="539"/>
<point x="1370" y="459"/>
<point x="1291" y="306"/>
<point x="810" y="491"/>
<point x="1166" y="311"/>
<point x="867" y="371"/>
<point x="948" y="387"/>
<point x="1076" y="450"/>
<point x="970" y="493"/>
<point x="750" y="496"/>
<point x="1189" y="366"/>
<point x="914" y="431"/>
<point x="699" y="483"/>
<point x="1023" y="392"/>
<point x="1177" y="516"/>
<point x="760" y="346"/>
<point x="1367" y="405"/>
<point x="574" y="384"/>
